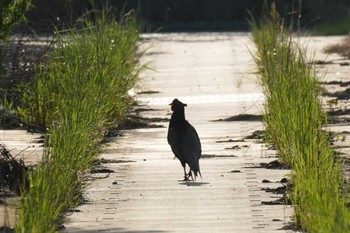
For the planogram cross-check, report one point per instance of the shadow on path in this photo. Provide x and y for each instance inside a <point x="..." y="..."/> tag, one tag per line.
<point x="193" y="183"/>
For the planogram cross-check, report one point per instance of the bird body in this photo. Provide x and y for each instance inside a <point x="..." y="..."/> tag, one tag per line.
<point x="184" y="140"/>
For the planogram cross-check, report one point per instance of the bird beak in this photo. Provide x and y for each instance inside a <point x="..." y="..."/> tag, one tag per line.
<point x="183" y="104"/>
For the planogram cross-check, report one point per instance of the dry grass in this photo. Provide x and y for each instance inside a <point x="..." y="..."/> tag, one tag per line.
<point x="342" y="48"/>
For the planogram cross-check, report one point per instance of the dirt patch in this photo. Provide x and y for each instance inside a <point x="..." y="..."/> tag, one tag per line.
<point x="133" y="122"/>
<point x="258" y="134"/>
<point x="339" y="112"/>
<point x="235" y="171"/>
<point x="242" y="117"/>
<point x="278" y="190"/>
<point x="338" y="120"/>
<point x="147" y="92"/>
<point x="282" y="181"/>
<point x="143" y="109"/>
<point x="321" y="62"/>
<point x="284" y="190"/>
<point x="291" y="226"/>
<point x="336" y="82"/>
<point x="275" y="164"/>
<point x="339" y="116"/>
<point x="236" y="147"/>
<point x="339" y="95"/>
<point x="230" y="140"/>
<point x="209" y="156"/>
<point x="137" y="122"/>
<point x="342" y="48"/>
<point x="279" y="201"/>
<point x="103" y="160"/>
<point x="102" y="170"/>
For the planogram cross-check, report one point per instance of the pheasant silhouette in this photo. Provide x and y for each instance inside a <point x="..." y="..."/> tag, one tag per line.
<point x="184" y="141"/>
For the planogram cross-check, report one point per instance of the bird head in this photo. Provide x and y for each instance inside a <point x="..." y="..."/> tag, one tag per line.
<point x="177" y="104"/>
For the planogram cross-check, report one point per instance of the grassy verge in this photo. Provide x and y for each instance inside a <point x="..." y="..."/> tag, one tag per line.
<point x="294" y="123"/>
<point x="77" y="94"/>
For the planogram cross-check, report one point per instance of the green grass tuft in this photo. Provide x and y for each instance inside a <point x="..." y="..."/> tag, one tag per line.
<point x="77" y="95"/>
<point x="294" y="122"/>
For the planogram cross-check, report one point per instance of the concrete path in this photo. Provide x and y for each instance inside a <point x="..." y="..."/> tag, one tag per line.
<point x="213" y="74"/>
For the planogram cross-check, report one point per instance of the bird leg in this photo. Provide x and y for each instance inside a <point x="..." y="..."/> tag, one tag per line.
<point x="186" y="176"/>
<point x="190" y="175"/>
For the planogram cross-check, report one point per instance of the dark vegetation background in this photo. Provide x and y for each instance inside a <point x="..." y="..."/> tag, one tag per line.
<point x="192" y="15"/>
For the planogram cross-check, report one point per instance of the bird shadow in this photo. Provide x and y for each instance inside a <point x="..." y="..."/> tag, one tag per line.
<point x="193" y="183"/>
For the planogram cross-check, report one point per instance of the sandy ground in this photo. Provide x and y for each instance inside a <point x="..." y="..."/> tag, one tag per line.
<point x="214" y="74"/>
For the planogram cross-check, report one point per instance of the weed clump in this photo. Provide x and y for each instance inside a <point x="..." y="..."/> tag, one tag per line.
<point x="13" y="172"/>
<point x="342" y="48"/>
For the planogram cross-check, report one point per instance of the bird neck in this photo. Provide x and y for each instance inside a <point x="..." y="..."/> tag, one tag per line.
<point x="178" y="116"/>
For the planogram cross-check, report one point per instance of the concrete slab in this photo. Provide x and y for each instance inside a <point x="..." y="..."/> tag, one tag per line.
<point x="213" y="74"/>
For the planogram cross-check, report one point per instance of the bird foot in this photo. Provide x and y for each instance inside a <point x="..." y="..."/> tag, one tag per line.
<point x="187" y="177"/>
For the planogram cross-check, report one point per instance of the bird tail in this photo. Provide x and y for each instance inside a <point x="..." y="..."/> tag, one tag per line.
<point x="196" y="174"/>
